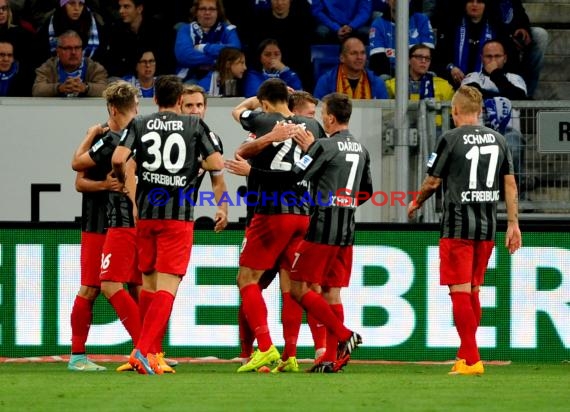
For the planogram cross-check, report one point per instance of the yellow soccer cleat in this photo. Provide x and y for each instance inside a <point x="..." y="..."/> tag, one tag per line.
<point x="260" y="359"/>
<point x="166" y="368"/>
<point x="461" y="368"/>
<point x="125" y="367"/>
<point x="290" y="365"/>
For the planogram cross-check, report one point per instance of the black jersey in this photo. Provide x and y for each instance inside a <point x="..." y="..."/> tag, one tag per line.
<point x="273" y="197"/>
<point x="119" y="208"/>
<point x="471" y="160"/>
<point x="339" y="171"/>
<point x="169" y="149"/>
<point x="94" y="204"/>
<point x="202" y="173"/>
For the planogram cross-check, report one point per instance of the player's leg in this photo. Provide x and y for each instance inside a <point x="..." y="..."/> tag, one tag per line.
<point x="82" y="311"/>
<point x="318" y="330"/>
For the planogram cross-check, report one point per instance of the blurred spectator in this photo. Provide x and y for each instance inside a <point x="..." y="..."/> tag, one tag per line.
<point x="461" y="40"/>
<point x="530" y="41"/>
<point x="303" y="103"/>
<point x="135" y="31"/>
<point x="423" y="83"/>
<point x="289" y="22"/>
<point x="338" y="19"/>
<point x="199" y="43"/>
<point x="226" y="79"/>
<point x="383" y="39"/>
<point x="21" y="39"/>
<point x="495" y="82"/>
<point x="269" y="64"/>
<point x="69" y="74"/>
<point x="145" y="71"/>
<point x="36" y="12"/>
<point x="73" y="15"/>
<point x="351" y="76"/>
<point x="13" y="80"/>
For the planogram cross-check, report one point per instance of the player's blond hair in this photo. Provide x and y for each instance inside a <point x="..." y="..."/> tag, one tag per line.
<point x="467" y="100"/>
<point x="121" y="95"/>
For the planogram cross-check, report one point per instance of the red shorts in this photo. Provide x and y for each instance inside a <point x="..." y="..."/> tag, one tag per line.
<point x="119" y="262"/>
<point x="463" y="261"/>
<point x="327" y="265"/>
<point x="164" y="245"/>
<point x="91" y="252"/>
<point x="272" y="238"/>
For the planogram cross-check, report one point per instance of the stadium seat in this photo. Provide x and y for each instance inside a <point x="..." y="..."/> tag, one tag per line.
<point x="324" y="57"/>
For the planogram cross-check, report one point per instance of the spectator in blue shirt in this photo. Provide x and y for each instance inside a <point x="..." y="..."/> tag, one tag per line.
<point x="269" y="55"/>
<point x="338" y="19"/>
<point x="351" y="76"/>
<point x="199" y="43"/>
<point x="383" y="39"/>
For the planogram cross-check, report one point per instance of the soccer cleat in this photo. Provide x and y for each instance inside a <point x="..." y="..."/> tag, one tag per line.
<point x="260" y="359"/>
<point x="323" y="367"/>
<point x="164" y="366"/>
<point x="140" y="363"/>
<point x="461" y="368"/>
<point x="347" y="347"/>
<point x="125" y="367"/>
<point x="290" y="365"/>
<point x="80" y="363"/>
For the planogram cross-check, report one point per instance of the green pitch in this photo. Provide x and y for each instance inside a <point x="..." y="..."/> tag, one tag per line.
<point x="217" y="387"/>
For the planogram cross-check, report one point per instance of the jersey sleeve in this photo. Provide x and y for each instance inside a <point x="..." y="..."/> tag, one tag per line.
<point x="247" y="119"/>
<point x="437" y="162"/>
<point x="102" y="150"/>
<point x="129" y="136"/>
<point x="366" y="180"/>
<point x="208" y="141"/>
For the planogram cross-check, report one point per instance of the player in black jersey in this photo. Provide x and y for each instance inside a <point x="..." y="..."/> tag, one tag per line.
<point x="339" y="171"/>
<point x="95" y="181"/>
<point x="469" y="162"/>
<point x="279" y="220"/>
<point x="195" y="101"/>
<point x="169" y="148"/>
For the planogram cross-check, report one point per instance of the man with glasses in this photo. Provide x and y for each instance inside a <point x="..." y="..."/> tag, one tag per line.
<point x="68" y="73"/>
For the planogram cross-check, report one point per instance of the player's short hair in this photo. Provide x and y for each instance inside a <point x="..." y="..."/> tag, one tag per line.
<point x="167" y="90"/>
<point x="339" y="105"/>
<point x="468" y="100"/>
<point x="121" y="95"/>
<point x="194" y="88"/>
<point x="299" y="98"/>
<point x="273" y="91"/>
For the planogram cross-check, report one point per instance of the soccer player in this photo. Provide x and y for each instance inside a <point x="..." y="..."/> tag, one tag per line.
<point x="168" y="147"/>
<point x="469" y="162"/>
<point x="195" y="101"/>
<point x="279" y="221"/>
<point x="94" y="182"/>
<point x="339" y="165"/>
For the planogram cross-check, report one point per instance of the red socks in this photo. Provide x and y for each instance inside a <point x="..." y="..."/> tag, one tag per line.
<point x="318" y="307"/>
<point x="465" y="323"/>
<point x="291" y="318"/>
<point x="155" y="321"/>
<point x="331" y="340"/>
<point x="256" y="314"/>
<point x="476" y="305"/>
<point x="128" y="312"/>
<point x="81" y="318"/>
<point x="246" y="336"/>
<point x="318" y="331"/>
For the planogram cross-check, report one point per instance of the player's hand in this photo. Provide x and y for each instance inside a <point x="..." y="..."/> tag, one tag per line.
<point x="513" y="238"/>
<point x="412" y="207"/>
<point x="282" y="131"/>
<point x="221" y="221"/>
<point x="304" y="138"/>
<point x="239" y="166"/>
<point x="112" y="183"/>
<point x="96" y="130"/>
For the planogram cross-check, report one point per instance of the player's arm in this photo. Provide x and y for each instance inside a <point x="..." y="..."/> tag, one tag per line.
<point x="119" y="162"/>
<point x="84" y="184"/>
<point x="214" y="161"/>
<point x="428" y="188"/>
<point x="81" y="159"/>
<point x="219" y="187"/>
<point x="251" y="103"/>
<point x="280" y="132"/>
<point x="365" y="183"/>
<point x="513" y="239"/>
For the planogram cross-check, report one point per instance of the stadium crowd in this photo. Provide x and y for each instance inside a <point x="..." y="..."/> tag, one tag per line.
<point x="277" y="38"/>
